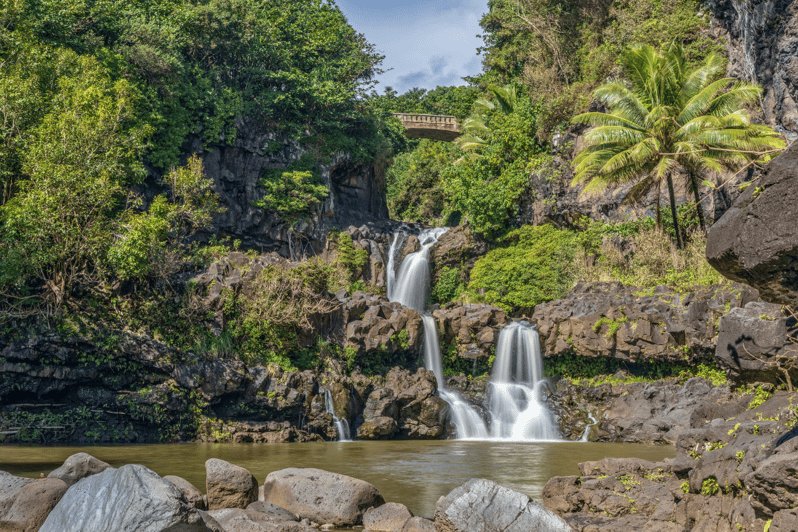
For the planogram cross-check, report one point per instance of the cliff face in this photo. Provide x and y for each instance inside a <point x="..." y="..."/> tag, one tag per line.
<point x="356" y="191"/>
<point x="761" y="37"/>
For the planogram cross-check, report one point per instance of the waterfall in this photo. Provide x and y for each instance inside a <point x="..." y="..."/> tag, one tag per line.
<point x="396" y="246"/>
<point x="517" y="406"/>
<point x="411" y="288"/>
<point x="341" y="425"/>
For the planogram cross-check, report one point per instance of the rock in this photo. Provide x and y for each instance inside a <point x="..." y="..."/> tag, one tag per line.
<point x="192" y="495"/>
<point x="26" y="503"/>
<point x="249" y="520"/>
<point x="390" y="517"/>
<point x="472" y="329"/>
<point x="785" y="521"/>
<point x="754" y="343"/>
<point x="774" y="483"/>
<point x="228" y="485"/>
<point x="755" y="242"/>
<point x="78" y="466"/>
<point x="484" y="505"/>
<point x="418" y="524"/>
<point x="275" y="512"/>
<point x="321" y="496"/>
<point x="131" y="498"/>
<point x="378" y="428"/>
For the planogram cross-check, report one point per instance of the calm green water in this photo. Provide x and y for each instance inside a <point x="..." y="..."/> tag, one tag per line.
<point x="415" y="473"/>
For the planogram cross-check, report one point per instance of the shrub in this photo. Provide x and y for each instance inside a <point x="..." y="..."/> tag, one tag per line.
<point x="448" y="286"/>
<point x="532" y="268"/>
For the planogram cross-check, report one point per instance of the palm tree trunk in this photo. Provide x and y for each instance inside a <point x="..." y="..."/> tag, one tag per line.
<point x="694" y="185"/>
<point x="679" y="243"/>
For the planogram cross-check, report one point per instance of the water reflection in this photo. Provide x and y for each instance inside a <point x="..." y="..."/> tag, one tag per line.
<point x="415" y="473"/>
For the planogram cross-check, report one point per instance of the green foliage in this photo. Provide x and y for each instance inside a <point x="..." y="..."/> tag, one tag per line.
<point x="760" y="393"/>
<point x="685" y="486"/>
<point x="706" y="371"/>
<point x="295" y="193"/>
<point x="531" y="268"/>
<point x="448" y="287"/>
<point x="672" y="117"/>
<point x="348" y="263"/>
<point x="710" y="487"/>
<point x="451" y="101"/>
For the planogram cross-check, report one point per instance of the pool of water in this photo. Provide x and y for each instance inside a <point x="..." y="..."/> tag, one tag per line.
<point x="415" y="473"/>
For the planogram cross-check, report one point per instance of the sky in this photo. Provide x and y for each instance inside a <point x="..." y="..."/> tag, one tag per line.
<point x="426" y="43"/>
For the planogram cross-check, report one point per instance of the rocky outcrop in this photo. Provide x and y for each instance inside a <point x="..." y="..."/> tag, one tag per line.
<point x="457" y="248"/>
<point x="253" y="520"/>
<point x="608" y="319"/>
<point x="228" y="485"/>
<point x="758" y="343"/>
<point x="356" y="190"/>
<point x="641" y="412"/>
<point x="729" y="473"/>
<point x="131" y="498"/>
<point x="469" y="331"/>
<point x="755" y="242"/>
<point x="484" y="505"/>
<point x="321" y="496"/>
<point x="761" y="38"/>
<point x="26" y="503"/>
<point x="78" y="466"/>
<point x="191" y="494"/>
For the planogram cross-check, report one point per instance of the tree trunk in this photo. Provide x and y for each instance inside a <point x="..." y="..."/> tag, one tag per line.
<point x="694" y="184"/>
<point x="679" y="243"/>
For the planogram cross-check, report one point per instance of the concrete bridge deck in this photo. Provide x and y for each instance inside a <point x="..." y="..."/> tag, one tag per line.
<point x="435" y="127"/>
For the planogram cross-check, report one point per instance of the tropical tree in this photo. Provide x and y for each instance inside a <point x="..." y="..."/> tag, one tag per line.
<point x="475" y="127"/>
<point x="669" y="118"/>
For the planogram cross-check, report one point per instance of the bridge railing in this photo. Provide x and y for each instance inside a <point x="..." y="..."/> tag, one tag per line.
<point x="432" y="119"/>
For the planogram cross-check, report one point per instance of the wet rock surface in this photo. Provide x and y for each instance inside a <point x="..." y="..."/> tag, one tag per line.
<point x="470" y="331"/>
<point x="729" y="473"/>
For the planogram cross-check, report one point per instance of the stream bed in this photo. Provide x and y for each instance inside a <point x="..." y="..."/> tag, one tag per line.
<point x="415" y="473"/>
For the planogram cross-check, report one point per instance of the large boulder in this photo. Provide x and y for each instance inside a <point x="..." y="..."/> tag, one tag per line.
<point x="25" y="503"/>
<point x="321" y="496"/>
<point x="754" y="343"/>
<point x="251" y="520"/>
<point x="131" y="498"/>
<point x="755" y="242"/>
<point x="190" y="492"/>
<point x="78" y="466"/>
<point x="228" y="485"/>
<point x="390" y="517"/>
<point x="481" y="505"/>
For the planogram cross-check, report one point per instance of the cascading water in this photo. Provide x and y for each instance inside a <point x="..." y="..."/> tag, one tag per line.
<point x="517" y="405"/>
<point x="341" y="425"/>
<point x="411" y="288"/>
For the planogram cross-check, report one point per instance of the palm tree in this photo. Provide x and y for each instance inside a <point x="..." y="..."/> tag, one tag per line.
<point x="475" y="127"/>
<point x="670" y="118"/>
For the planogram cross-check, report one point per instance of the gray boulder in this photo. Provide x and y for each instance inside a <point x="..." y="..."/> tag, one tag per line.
<point x="250" y="520"/>
<point x="131" y="498"/>
<point x="78" y="466"/>
<point x="321" y="496"/>
<point x="418" y="524"/>
<point x="753" y="343"/>
<point x="190" y="492"/>
<point x="755" y="242"/>
<point x="481" y="505"/>
<point x="774" y="484"/>
<point x="785" y="521"/>
<point x="25" y="503"/>
<point x="275" y="512"/>
<point x="390" y="517"/>
<point x="228" y="485"/>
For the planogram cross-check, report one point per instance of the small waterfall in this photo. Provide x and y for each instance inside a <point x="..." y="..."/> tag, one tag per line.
<point x="517" y="406"/>
<point x="341" y="425"/>
<point x="586" y="433"/>
<point x="411" y="287"/>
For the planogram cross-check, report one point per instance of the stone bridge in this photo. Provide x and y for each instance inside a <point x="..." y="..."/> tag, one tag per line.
<point x="435" y="127"/>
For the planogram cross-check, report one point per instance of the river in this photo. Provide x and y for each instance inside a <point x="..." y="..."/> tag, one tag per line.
<point x="415" y="473"/>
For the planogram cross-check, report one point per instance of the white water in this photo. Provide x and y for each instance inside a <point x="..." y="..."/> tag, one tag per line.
<point x="587" y="428"/>
<point x="341" y="425"/>
<point x="411" y="287"/>
<point x="517" y="403"/>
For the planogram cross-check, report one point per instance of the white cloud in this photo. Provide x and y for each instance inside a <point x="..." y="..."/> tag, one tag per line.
<point x="425" y="44"/>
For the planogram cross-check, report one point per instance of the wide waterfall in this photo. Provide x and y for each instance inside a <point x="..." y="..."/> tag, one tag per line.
<point x="341" y="425"/>
<point x="517" y="402"/>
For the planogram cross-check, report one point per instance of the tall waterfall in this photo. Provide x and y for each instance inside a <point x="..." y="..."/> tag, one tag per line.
<point x="411" y="288"/>
<point x="517" y="406"/>
<point x="341" y="425"/>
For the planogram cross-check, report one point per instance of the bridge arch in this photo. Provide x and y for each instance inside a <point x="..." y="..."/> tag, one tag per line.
<point x="435" y="127"/>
